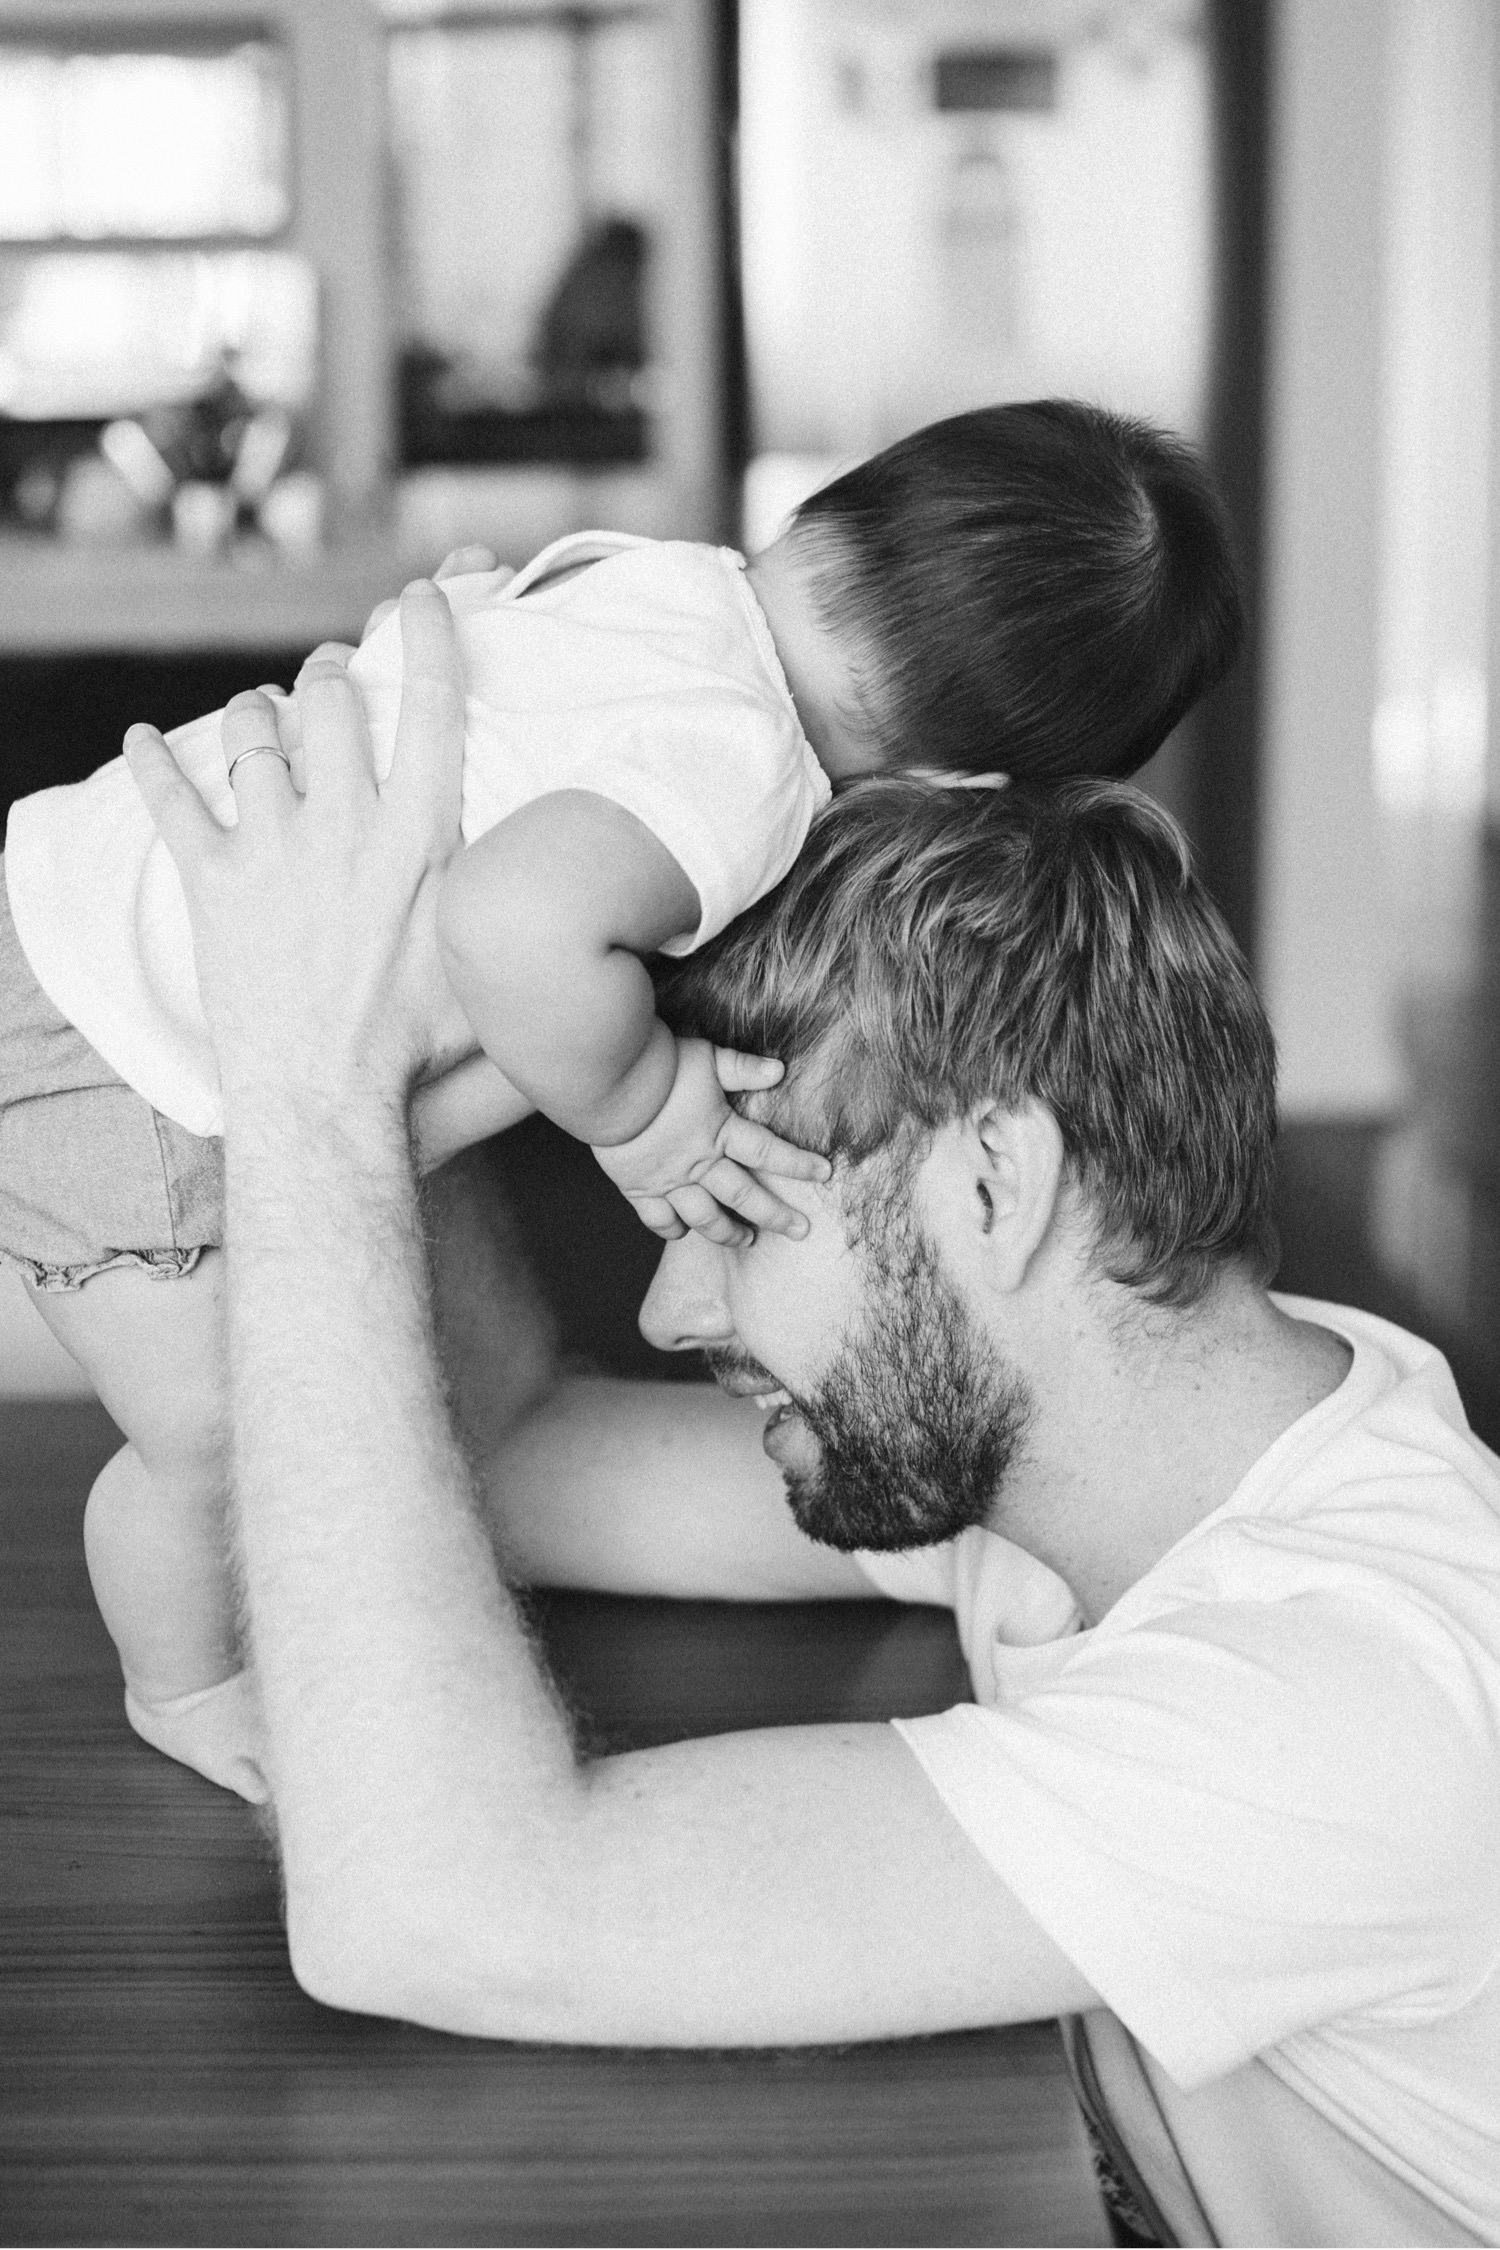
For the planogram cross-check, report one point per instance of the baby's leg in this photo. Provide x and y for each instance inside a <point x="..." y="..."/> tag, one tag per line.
<point x="154" y="1525"/>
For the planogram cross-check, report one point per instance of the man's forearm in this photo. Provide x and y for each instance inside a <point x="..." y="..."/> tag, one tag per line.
<point x="403" y="1706"/>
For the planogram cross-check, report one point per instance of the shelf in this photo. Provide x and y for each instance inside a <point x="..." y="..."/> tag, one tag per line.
<point x="56" y="600"/>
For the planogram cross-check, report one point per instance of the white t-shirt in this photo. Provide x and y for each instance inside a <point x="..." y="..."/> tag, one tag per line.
<point x="649" y="677"/>
<point x="1259" y="1806"/>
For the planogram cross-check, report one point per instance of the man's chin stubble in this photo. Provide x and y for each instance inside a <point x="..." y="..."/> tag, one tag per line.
<point x="916" y="1425"/>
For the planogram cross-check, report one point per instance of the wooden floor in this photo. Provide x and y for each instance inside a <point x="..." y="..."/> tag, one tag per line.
<point x="162" y="2080"/>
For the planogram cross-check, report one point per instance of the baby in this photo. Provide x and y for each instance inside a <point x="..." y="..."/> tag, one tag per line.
<point x="650" y="728"/>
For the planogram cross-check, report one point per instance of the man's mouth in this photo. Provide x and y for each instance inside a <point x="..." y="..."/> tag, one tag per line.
<point x="775" y="1405"/>
<point x="755" y="1382"/>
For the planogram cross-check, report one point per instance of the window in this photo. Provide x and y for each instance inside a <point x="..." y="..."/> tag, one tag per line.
<point x="101" y="142"/>
<point x="532" y="160"/>
<point x="142" y="182"/>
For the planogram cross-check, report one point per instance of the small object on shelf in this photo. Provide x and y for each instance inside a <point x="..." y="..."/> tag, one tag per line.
<point x="291" y="514"/>
<point x="202" y="517"/>
<point x="128" y="449"/>
<point x="96" y="507"/>
<point x="265" y="440"/>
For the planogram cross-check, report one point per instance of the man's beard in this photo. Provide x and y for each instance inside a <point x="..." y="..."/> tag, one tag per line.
<point x="917" y="1421"/>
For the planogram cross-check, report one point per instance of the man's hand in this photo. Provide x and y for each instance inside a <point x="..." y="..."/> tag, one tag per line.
<point x="314" y="917"/>
<point x="459" y="562"/>
<point x="695" y="1163"/>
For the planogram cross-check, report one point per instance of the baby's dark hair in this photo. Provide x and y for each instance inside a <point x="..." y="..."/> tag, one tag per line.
<point x="1040" y="589"/>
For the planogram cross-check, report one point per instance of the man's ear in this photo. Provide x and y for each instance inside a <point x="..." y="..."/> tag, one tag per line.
<point x="1017" y="1161"/>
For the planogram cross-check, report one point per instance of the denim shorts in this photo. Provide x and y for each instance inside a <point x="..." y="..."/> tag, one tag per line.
<point x="91" y="1176"/>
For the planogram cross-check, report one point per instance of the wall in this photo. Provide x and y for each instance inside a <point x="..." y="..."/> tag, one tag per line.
<point x="903" y="262"/>
<point x="1379" y="524"/>
<point x="1321" y="947"/>
<point x="1431" y="720"/>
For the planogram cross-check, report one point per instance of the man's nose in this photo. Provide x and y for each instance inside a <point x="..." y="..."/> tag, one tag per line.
<point x="685" y="1307"/>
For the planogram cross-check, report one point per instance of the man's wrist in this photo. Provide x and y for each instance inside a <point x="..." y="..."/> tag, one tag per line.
<point x="283" y="1131"/>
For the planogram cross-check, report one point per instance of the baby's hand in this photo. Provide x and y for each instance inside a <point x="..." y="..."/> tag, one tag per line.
<point x="695" y="1163"/>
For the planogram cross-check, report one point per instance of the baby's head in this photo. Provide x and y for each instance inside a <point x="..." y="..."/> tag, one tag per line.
<point x="1040" y="589"/>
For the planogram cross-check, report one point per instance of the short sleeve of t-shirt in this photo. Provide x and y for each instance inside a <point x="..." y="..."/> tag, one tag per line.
<point x="1243" y="1818"/>
<point x="650" y="678"/>
<point x="725" y="785"/>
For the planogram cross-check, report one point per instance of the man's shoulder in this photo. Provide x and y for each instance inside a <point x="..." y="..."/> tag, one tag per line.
<point x="1378" y="1510"/>
<point x="1398" y="1412"/>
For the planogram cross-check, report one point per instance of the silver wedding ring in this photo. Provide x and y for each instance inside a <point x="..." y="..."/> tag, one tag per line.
<point x="259" y="750"/>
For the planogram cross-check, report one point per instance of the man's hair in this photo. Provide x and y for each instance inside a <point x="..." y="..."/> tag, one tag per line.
<point x="935" y="949"/>
<point x="1040" y="589"/>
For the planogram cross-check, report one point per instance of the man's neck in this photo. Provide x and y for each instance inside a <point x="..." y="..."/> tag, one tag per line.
<point x="1148" y="1420"/>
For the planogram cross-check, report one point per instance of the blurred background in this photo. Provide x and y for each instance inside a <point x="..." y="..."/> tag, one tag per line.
<point x="293" y="297"/>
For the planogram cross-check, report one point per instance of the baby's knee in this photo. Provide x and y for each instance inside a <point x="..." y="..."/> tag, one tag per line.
<point x="115" y="1499"/>
<point x="181" y="1489"/>
<point x="178" y="1437"/>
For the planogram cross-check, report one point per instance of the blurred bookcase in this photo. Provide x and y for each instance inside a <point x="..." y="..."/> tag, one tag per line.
<point x="509" y="217"/>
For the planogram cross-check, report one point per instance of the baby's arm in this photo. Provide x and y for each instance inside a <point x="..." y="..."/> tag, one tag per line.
<point x="545" y="920"/>
<point x="469" y="1103"/>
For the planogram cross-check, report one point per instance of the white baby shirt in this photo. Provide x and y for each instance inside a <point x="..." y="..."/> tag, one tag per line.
<point x="649" y="677"/>
<point x="1258" y="1805"/>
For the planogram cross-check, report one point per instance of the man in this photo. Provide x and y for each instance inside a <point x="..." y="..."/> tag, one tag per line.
<point x="1227" y="1569"/>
